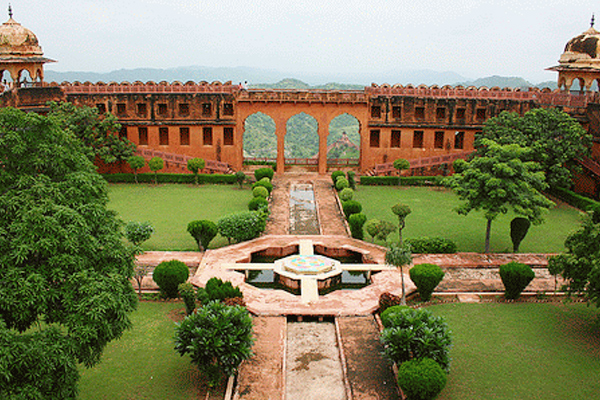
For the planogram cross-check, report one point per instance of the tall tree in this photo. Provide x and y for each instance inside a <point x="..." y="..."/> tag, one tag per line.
<point x="100" y="133"/>
<point x="402" y="211"/>
<point x="399" y="256"/>
<point x="497" y="180"/>
<point x="64" y="266"/>
<point x="557" y="140"/>
<point x="580" y="264"/>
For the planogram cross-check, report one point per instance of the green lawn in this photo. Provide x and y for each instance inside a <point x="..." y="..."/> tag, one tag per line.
<point x="515" y="351"/>
<point x="433" y="215"/>
<point x="143" y="364"/>
<point x="170" y="207"/>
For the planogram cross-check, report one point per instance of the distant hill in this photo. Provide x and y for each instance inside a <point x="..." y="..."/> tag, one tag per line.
<point x="291" y="83"/>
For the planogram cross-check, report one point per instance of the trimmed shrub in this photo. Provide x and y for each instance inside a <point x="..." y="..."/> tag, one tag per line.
<point x="379" y="229"/>
<point x="435" y="245"/>
<point x="426" y="277"/>
<point x="387" y="300"/>
<point x="335" y="175"/>
<point x="263" y="172"/>
<point x="168" y="275"/>
<point x="351" y="207"/>
<point x="170" y="178"/>
<point x="351" y="179"/>
<point x="260" y="191"/>
<point x="518" y="230"/>
<point x="515" y="278"/>
<point x="188" y="294"/>
<point x="217" y="337"/>
<point x="341" y="183"/>
<point x="575" y="199"/>
<point x="218" y="290"/>
<point x="264" y="182"/>
<point x="387" y="316"/>
<point x="258" y="202"/>
<point x="356" y="222"/>
<point x="242" y="226"/>
<point x="421" y="379"/>
<point x="346" y="194"/>
<point x="415" y="334"/>
<point x="403" y="181"/>
<point x="203" y="231"/>
<point x="138" y="232"/>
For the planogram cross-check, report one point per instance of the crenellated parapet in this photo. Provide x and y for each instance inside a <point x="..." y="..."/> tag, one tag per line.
<point x="148" y="87"/>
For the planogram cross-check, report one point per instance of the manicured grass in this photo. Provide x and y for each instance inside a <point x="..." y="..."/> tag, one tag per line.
<point x="433" y="215"/>
<point x="143" y="363"/>
<point x="522" y="351"/>
<point x="170" y="207"/>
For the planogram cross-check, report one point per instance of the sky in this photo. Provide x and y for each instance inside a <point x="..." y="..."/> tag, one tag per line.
<point x="474" y="38"/>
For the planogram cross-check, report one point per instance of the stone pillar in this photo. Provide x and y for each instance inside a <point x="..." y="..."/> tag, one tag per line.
<point x="280" y="131"/>
<point x="323" y="131"/>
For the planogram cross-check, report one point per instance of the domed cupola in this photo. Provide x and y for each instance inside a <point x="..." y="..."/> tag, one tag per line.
<point x="20" y="51"/>
<point x="580" y="61"/>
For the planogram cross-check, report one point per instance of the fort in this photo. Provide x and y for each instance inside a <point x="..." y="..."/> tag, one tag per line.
<point x="428" y="125"/>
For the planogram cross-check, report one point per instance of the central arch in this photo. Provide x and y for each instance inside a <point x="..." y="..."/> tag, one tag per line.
<point x="301" y="142"/>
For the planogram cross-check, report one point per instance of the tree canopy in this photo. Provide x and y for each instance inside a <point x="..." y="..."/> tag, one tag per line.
<point x="98" y="132"/>
<point x="555" y="138"/>
<point x="498" y="179"/>
<point x="64" y="267"/>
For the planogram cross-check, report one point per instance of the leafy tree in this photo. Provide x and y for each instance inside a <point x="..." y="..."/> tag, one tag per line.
<point x="242" y="226"/>
<point x="402" y="211"/>
<point x="64" y="266"/>
<point x="555" y="138"/>
<point x="378" y="229"/>
<point x="498" y="179"/>
<point x="217" y="337"/>
<point x="99" y="133"/>
<point x="203" y="231"/>
<point x="135" y="163"/>
<point x="240" y="177"/>
<point x="401" y="164"/>
<point x="519" y="227"/>
<point x="140" y="271"/>
<point x="156" y="164"/>
<point x="580" y="264"/>
<point x="195" y="165"/>
<point x="138" y="232"/>
<point x="399" y="256"/>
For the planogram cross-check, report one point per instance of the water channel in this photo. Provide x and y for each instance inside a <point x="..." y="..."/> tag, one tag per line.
<point x="303" y="210"/>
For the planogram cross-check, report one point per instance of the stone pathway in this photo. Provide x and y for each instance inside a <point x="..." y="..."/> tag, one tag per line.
<point x="369" y="373"/>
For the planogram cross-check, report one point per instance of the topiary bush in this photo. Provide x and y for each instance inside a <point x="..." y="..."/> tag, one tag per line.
<point x="421" y="379"/>
<point x="218" y="290"/>
<point x="203" y="231"/>
<point x="258" y="202"/>
<point x="415" y="334"/>
<point x="260" y="191"/>
<point x="168" y="275"/>
<point x="351" y="179"/>
<point x="240" y="178"/>
<point x="351" y="207"/>
<point x="426" y="277"/>
<point x="138" y="232"/>
<point x="356" y="222"/>
<point x="387" y="300"/>
<point x="378" y="229"/>
<point x="335" y="175"/>
<point x="188" y="294"/>
<point x="341" y="183"/>
<point x="217" y="337"/>
<point x="434" y="245"/>
<point x="261" y="173"/>
<point x="346" y="194"/>
<point x="242" y="226"/>
<point x="387" y="316"/>
<point x="264" y="182"/>
<point x="519" y="227"/>
<point x="515" y="278"/>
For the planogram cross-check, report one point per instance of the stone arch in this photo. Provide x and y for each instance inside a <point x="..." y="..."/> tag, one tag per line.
<point x="343" y="140"/>
<point x="301" y="137"/>
<point x="259" y="138"/>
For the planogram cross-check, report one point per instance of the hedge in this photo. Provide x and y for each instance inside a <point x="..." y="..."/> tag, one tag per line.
<point x="404" y="180"/>
<point x="574" y="199"/>
<point x="170" y="178"/>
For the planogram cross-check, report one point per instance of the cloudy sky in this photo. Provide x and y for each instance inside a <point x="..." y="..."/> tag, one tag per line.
<point x="474" y="38"/>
